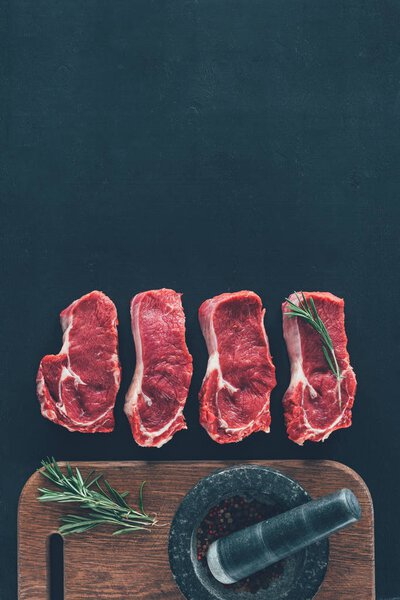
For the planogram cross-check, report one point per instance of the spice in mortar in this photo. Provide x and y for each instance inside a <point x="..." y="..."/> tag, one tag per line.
<point x="231" y="515"/>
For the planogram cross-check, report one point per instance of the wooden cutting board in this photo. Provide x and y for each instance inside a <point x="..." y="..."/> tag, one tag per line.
<point x="99" y="566"/>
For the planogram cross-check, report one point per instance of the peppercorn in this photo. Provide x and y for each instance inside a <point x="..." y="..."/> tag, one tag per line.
<point x="230" y="515"/>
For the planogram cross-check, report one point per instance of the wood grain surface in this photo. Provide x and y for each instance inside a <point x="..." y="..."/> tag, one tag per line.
<point x="99" y="566"/>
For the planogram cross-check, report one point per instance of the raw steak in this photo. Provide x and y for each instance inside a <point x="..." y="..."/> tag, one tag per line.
<point x="77" y="387"/>
<point x="157" y="395"/>
<point x="234" y="397"/>
<point x="315" y="404"/>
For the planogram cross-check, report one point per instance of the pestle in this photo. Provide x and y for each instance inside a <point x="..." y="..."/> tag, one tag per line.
<point x="249" y="550"/>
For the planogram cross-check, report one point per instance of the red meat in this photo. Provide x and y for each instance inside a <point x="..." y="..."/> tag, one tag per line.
<point x="234" y="398"/>
<point x="77" y="387"/>
<point x="315" y="403"/>
<point x="157" y="395"/>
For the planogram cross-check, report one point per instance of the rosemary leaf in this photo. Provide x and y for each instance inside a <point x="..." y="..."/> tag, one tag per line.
<point x="328" y="359"/>
<point x="106" y="506"/>
<point x="141" y="497"/>
<point x="307" y="310"/>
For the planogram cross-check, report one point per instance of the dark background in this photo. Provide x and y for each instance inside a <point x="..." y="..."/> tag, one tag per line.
<point x="205" y="146"/>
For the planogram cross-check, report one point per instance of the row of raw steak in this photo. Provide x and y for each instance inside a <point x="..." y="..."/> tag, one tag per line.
<point x="77" y="388"/>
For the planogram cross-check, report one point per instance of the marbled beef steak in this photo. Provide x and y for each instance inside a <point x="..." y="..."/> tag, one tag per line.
<point x="234" y="397"/>
<point x="157" y="395"/>
<point x="316" y="403"/>
<point x="77" y="387"/>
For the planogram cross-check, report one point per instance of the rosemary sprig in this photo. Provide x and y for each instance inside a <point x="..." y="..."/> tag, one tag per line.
<point x="106" y="506"/>
<point x="307" y="311"/>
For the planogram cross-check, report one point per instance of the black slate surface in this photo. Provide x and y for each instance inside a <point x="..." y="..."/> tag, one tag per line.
<point x="207" y="146"/>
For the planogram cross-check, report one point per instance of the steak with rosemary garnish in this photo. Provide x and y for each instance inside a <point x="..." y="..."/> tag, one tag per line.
<point x="323" y="384"/>
<point x="234" y="397"/>
<point x="77" y="387"/>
